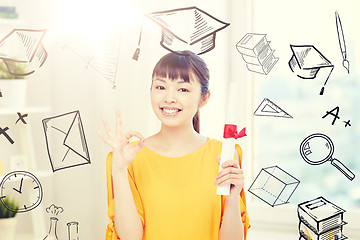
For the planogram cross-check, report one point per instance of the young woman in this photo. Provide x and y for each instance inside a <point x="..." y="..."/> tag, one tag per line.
<point x="164" y="187"/>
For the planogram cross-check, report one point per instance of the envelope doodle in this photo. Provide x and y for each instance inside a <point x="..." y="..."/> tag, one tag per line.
<point x="65" y="141"/>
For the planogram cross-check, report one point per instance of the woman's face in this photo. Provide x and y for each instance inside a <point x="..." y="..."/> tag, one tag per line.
<point x="175" y="102"/>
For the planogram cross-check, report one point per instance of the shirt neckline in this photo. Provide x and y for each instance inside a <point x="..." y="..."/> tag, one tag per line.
<point x="182" y="156"/>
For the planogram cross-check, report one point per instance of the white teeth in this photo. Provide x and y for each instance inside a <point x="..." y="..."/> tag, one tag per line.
<point x="170" y="111"/>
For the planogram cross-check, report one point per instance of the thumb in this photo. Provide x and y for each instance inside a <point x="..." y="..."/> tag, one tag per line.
<point x="218" y="159"/>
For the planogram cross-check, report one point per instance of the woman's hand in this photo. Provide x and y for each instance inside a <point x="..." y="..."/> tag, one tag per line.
<point x="230" y="174"/>
<point x="123" y="151"/>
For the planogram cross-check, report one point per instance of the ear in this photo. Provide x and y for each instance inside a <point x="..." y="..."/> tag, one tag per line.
<point x="204" y="99"/>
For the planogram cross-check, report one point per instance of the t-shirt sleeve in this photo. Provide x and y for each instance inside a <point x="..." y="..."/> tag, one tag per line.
<point x="136" y="195"/>
<point x="110" y="229"/>
<point x="244" y="213"/>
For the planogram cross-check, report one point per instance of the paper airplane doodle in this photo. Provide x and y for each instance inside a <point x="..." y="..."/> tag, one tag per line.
<point x="320" y="219"/>
<point x="270" y="109"/>
<point x="23" y="47"/>
<point x="186" y="29"/>
<point x="65" y="141"/>
<point x="103" y="61"/>
<point x="256" y="51"/>
<point x="274" y="186"/>
<point x="307" y="61"/>
<point x="318" y="148"/>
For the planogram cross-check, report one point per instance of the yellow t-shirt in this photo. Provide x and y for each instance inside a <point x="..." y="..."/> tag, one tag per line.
<point x="175" y="196"/>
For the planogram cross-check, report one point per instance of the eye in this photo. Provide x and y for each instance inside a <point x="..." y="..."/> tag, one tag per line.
<point x="183" y="90"/>
<point x="159" y="87"/>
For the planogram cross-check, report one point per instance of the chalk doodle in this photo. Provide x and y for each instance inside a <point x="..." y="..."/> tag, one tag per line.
<point x="23" y="49"/>
<point x="270" y="109"/>
<point x="318" y="148"/>
<point x="65" y="141"/>
<point x="22" y="186"/>
<point x="274" y="186"/>
<point x="307" y="61"/>
<point x="342" y="45"/>
<point x="105" y="60"/>
<point x="256" y="51"/>
<point x="186" y="29"/>
<point x="320" y="219"/>
<point x="3" y="132"/>
<point x="21" y="118"/>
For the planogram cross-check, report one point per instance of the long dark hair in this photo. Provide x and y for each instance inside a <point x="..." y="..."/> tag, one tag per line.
<point x="181" y="64"/>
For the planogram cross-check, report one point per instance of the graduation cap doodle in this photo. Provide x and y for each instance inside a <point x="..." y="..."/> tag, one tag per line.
<point x="23" y="47"/>
<point x="307" y="61"/>
<point x="186" y="29"/>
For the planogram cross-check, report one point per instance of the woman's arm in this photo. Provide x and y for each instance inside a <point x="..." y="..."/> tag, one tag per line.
<point x="127" y="221"/>
<point x="232" y="226"/>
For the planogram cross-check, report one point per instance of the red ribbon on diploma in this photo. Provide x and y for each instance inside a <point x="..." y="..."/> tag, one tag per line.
<point x="230" y="131"/>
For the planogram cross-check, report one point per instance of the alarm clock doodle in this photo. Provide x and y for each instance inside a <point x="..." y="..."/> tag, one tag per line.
<point x="22" y="186"/>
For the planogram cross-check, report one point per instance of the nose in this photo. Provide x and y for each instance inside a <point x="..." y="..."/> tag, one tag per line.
<point x="170" y="96"/>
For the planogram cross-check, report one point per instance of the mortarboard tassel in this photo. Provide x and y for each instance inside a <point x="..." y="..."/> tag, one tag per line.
<point x="137" y="51"/>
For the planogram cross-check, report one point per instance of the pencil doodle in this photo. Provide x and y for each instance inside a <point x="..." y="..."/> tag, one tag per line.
<point x="3" y="132"/>
<point x="65" y="141"/>
<point x="104" y="61"/>
<point x="318" y="148"/>
<point x="342" y="45"/>
<point x="23" y="49"/>
<point x="186" y="29"/>
<point x="274" y="186"/>
<point x="306" y="62"/>
<point x="22" y="186"/>
<point x="256" y="51"/>
<point x="335" y="113"/>
<point x="320" y="219"/>
<point x="21" y="118"/>
<point x="270" y="109"/>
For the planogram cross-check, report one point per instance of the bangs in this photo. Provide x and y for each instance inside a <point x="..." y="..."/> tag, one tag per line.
<point x="173" y="66"/>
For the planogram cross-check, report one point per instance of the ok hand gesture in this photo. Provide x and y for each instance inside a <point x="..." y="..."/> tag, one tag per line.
<point x="123" y="151"/>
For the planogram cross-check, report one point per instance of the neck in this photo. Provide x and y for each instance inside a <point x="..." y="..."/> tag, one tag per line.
<point x="178" y="135"/>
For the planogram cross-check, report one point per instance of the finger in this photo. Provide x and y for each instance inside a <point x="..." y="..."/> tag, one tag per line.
<point x="232" y="178"/>
<point x="106" y="126"/>
<point x="131" y="134"/>
<point x="103" y="137"/>
<point x="118" y="127"/>
<point x="218" y="159"/>
<point x="230" y="163"/>
<point x="229" y="170"/>
<point x="236" y="182"/>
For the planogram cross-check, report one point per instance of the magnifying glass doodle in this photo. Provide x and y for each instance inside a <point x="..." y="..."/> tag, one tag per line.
<point x="318" y="148"/>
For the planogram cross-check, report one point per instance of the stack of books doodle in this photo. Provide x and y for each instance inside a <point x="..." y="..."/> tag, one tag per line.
<point x="320" y="219"/>
<point x="8" y="12"/>
<point x="257" y="53"/>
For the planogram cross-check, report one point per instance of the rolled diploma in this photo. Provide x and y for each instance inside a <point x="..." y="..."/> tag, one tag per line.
<point x="228" y="144"/>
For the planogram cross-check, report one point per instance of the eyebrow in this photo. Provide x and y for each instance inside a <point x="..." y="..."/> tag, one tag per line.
<point x="162" y="80"/>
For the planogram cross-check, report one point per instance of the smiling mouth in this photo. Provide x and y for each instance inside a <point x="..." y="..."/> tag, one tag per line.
<point x="171" y="110"/>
